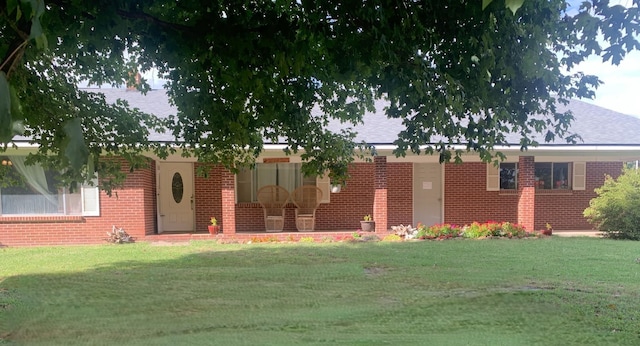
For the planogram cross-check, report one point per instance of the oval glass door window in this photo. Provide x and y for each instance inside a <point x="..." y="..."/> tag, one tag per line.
<point x="177" y="187"/>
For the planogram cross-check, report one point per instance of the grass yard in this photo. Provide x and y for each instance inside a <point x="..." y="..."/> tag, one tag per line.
<point x="553" y="291"/>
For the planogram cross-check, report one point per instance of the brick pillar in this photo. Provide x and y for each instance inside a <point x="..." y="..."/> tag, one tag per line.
<point x="380" y="197"/>
<point x="227" y="185"/>
<point x="526" y="192"/>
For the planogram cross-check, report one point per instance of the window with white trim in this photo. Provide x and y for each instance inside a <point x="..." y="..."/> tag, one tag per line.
<point x="286" y="175"/>
<point x="508" y="176"/>
<point x="553" y="175"/>
<point x="502" y="177"/>
<point x="32" y="190"/>
<point x="548" y="176"/>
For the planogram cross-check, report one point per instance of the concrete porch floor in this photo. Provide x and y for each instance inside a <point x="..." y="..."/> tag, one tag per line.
<point x="296" y="236"/>
<point x="578" y="233"/>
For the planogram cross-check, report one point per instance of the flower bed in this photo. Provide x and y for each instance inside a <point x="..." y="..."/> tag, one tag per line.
<point x="474" y="230"/>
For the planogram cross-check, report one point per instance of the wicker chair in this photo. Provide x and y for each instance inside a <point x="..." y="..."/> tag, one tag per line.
<point x="307" y="199"/>
<point x="273" y="199"/>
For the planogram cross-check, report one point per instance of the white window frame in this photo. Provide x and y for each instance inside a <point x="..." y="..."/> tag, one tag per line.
<point x="569" y="177"/>
<point x="493" y="177"/>
<point x="89" y="200"/>
<point x="500" y="177"/>
<point x="578" y="175"/>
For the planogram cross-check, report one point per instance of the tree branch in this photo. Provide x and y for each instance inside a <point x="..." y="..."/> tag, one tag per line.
<point x="152" y="19"/>
<point x="17" y="53"/>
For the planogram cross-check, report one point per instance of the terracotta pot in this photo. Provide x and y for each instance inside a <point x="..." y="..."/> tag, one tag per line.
<point x="368" y="226"/>
<point x="214" y="229"/>
<point x="547" y="231"/>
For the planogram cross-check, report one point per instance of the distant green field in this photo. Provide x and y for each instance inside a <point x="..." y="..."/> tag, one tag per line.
<point x="551" y="291"/>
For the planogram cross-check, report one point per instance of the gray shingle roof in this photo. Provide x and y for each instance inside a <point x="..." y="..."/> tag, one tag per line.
<point x="596" y="125"/>
<point x="599" y="126"/>
<point x="154" y="102"/>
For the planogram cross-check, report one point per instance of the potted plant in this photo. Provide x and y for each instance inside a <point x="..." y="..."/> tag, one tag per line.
<point x="367" y="224"/>
<point x="548" y="230"/>
<point x="213" y="227"/>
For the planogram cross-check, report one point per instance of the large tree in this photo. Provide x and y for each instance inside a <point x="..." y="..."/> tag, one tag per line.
<point x="244" y="71"/>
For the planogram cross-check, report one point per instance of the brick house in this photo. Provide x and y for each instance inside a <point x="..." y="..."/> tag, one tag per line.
<point x="552" y="183"/>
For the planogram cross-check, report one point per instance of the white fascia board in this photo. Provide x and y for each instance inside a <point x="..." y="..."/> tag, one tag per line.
<point x="561" y="152"/>
<point x="23" y="145"/>
<point x="273" y="147"/>
<point x="592" y="148"/>
<point x="175" y="157"/>
<point x="533" y="150"/>
<point x="549" y="153"/>
<point x="592" y="152"/>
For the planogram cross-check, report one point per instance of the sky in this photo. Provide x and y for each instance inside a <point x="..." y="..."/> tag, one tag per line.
<point x="619" y="92"/>
<point x="621" y="89"/>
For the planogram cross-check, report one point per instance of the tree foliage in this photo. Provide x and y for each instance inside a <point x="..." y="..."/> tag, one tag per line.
<point x="244" y="71"/>
<point x="616" y="209"/>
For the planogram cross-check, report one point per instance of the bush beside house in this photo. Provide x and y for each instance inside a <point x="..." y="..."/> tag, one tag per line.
<point x="616" y="209"/>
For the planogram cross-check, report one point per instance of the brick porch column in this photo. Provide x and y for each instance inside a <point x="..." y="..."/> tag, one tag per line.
<point x="380" y="197"/>
<point x="526" y="192"/>
<point x="227" y="185"/>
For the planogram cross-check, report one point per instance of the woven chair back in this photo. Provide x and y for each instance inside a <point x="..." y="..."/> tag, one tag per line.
<point x="273" y="198"/>
<point x="307" y="198"/>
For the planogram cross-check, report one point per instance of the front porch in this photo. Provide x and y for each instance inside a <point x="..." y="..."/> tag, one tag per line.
<point x="257" y="236"/>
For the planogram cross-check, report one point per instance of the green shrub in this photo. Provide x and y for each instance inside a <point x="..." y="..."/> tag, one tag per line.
<point x="509" y="229"/>
<point x="616" y="209"/>
<point x="422" y="231"/>
<point x="443" y="230"/>
<point x="494" y="229"/>
<point x="475" y="230"/>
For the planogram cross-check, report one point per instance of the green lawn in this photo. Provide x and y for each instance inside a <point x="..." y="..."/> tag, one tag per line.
<point x="553" y="291"/>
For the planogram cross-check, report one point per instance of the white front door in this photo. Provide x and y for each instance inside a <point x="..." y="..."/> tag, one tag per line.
<point x="427" y="193"/>
<point x="175" y="197"/>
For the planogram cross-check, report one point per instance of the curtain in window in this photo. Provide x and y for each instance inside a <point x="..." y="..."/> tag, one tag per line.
<point x="266" y="174"/>
<point x="288" y="176"/>
<point x="35" y="177"/>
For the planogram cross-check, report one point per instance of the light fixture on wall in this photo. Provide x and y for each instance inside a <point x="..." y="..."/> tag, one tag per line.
<point x="7" y="163"/>
<point x="336" y="188"/>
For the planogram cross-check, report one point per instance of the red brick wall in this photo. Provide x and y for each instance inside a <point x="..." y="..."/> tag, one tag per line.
<point x="400" y="193"/>
<point x="344" y="212"/>
<point x="563" y="210"/>
<point x="526" y="192"/>
<point x="380" y="194"/>
<point x="132" y="207"/>
<point x="349" y="205"/>
<point x="208" y="197"/>
<point x="466" y="198"/>
<point x="354" y="201"/>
